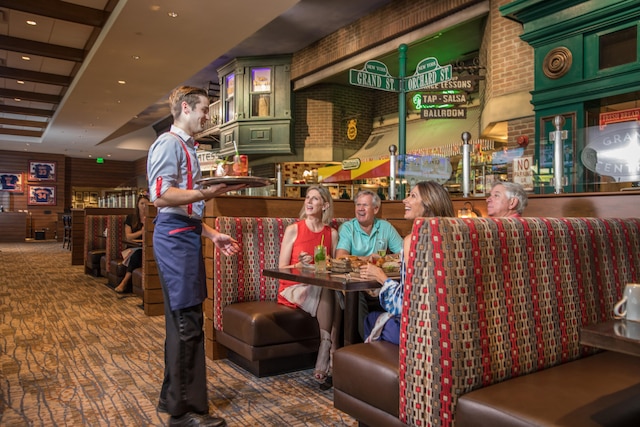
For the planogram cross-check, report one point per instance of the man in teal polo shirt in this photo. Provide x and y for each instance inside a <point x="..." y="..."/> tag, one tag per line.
<point x="358" y="237"/>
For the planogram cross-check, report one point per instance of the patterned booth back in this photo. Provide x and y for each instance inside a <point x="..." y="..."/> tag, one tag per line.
<point x="94" y="226"/>
<point x="490" y="299"/>
<point x="238" y="278"/>
<point x="114" y="242"/>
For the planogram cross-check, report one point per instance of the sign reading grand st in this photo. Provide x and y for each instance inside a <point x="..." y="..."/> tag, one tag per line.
<point x="374" y="75"/>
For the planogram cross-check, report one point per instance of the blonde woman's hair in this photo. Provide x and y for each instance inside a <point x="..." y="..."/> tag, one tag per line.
<point x="327" y="214"/>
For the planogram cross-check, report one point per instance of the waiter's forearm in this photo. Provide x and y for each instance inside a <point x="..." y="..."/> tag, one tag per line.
<point x="177" y="197"/>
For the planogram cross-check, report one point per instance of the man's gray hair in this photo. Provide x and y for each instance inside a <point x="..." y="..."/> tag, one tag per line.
<point x="513" y="189"/>
<point x="375" y="199"/>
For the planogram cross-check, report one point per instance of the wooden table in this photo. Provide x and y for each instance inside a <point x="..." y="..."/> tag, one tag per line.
<point x="339" y="282"/>
<point x="615" y="335"/>
<point x="135" y="243"/>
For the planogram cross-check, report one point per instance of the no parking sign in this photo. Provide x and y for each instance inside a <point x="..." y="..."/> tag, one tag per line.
<point x="522" y="172"/>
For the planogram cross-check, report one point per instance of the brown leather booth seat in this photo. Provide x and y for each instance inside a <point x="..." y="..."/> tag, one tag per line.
<point x="370" y="372"/>
<point x="94" y="243"/>
<point x="600" y="390"/>
<point x="283" y="338"/>
<point x="92" y="263"/>
<point x="260" y="335"/>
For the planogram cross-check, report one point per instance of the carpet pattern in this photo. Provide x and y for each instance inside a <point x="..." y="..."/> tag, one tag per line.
<point x="75" y="353"/>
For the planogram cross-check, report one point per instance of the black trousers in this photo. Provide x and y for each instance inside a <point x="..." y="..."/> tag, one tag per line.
<point x="185" y="377"/>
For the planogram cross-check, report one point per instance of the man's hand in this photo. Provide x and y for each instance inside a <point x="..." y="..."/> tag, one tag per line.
<point x="218" y="189"/>
<point x="226" y="243"/>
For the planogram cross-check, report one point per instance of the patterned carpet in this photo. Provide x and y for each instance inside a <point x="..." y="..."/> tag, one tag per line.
<point x="75" y="353"/>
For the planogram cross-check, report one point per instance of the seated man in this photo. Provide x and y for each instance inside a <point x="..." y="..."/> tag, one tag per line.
<point x="506" y="199"/>
<point x="359" y="236"/>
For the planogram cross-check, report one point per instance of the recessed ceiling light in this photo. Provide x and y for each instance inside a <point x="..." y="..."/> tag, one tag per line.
<point x="32" y="22"/>
<point x="17" y="99"/>
<point x="122" y="82"/>
<point x="20" y="82"/>
<point x="26" y="58"/>
<point x="136" y="57"/>
<point x="172" y="14"/>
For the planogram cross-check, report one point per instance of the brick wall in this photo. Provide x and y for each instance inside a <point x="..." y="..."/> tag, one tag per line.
<point x="396" y="18"/>
<point x="510" y="62"/>
<point x="323" y="113"/>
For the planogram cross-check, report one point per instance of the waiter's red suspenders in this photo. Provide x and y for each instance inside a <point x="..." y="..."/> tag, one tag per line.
<point x="189" y="173"/>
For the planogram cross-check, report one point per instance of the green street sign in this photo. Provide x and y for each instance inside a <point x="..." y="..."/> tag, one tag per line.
<point x="428" y="73"/>
<point x="374" y="75"/>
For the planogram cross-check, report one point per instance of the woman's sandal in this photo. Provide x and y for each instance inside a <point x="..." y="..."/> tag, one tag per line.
<point x="323" y="368"/>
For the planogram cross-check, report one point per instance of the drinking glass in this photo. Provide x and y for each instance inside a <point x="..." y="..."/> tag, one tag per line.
<point x="320" y="258"/>
<point x="241" y="165"/>
<point x="381" y="247"/>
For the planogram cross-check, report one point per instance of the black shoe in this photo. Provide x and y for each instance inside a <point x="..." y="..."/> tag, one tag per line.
<point x="327" y="383"/>
<point x="162" y="406"/>
<point x="191" y="419"/>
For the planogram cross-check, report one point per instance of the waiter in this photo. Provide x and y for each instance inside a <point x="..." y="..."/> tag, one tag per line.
<point x="173" y="172"/>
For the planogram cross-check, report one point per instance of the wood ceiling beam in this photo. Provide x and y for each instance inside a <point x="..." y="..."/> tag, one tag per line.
<point x="30" y="96"/>
<point x="47" y="50"/>
<point x="38" y="112"/>
<point x="34" y="76"/>
<point x="18" y="132"/>
<point x="59" y="10"/>
<point x="23" y="123"/>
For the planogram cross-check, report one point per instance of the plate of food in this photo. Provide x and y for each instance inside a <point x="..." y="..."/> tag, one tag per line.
<point x="248" y="181"/>
<point x="389" y="263"/>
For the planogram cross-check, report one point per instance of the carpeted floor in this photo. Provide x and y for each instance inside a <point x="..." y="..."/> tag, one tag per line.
<point x="75" y="353"/>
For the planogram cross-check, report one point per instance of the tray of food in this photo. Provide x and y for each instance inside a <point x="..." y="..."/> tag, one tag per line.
<point x="389" y="263"/>
<point x="248" y="181"/>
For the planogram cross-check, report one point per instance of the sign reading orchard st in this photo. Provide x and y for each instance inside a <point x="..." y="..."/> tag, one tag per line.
<point x="374" y="75"/>
<point x="428" y="73"/>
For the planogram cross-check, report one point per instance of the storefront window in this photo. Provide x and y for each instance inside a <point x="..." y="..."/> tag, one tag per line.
<point x="229" y="98"/>
<point x="261" y="92"/>
<point x="618" y="48"/>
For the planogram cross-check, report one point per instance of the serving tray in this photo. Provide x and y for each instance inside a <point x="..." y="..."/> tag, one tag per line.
<point x="248" y="181"/>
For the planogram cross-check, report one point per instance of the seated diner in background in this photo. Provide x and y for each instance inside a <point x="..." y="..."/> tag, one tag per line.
<point x="426" y="199"/>
<point x="506" y="199"/>
<point x="361" y="236"/>
<point x="296" y="250"/>
<point x="133" y="230"/>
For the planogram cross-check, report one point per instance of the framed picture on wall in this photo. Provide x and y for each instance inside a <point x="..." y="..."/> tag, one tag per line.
<point x="78" y="197"/>
<point x="93" y="198"/>
<point x="42" y="171"/>
<point x="41" y="195"/>
<point x="12" y="182"/>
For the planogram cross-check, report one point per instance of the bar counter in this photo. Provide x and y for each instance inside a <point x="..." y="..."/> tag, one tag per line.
<point x="13" y="226"/>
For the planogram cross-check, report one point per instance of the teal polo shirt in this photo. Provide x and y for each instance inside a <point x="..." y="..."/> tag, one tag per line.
<point x="355" y="241"/>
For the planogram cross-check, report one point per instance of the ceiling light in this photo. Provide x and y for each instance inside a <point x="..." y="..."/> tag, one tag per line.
<point x="26" y="58"/>
<point x="122" y="82"/>
<point x="20" y="82"/>
<point x="17" y="99"/>
<point x="32" y="22"/>
<point x="136" y="57"/>
<point x="172" y="14"/>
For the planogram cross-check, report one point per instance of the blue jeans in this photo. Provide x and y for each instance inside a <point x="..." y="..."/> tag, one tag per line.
<point x="390" y="331"/>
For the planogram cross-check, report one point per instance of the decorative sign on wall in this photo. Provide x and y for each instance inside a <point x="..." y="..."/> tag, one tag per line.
<point x="11" y="182"/>
<point x="42" y="171"/>
<point x="40" y="195"/>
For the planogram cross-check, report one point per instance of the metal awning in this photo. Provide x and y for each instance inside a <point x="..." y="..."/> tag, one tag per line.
<point x="366" y="170"/>
<point x="427" y="137"/>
